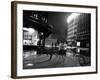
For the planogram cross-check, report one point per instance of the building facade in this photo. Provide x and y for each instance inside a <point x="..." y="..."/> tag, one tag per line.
<point x="79" y="30"/>
<point x="34" y="20"/>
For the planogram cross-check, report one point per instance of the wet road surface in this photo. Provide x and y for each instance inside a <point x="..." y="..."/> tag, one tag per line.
<point x="32" y="60"/>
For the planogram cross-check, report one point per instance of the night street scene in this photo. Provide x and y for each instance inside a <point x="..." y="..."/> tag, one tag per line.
<point x="56" y="39"/>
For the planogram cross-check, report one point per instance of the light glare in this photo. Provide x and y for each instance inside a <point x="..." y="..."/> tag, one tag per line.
<point x="72" y="16"/>
<point x="29" y="30"/>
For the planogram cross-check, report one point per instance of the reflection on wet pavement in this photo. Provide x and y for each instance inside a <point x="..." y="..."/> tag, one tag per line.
<point x="32" y="60"/>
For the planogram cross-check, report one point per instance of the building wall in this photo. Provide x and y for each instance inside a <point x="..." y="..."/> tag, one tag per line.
<point x="83" y="30"/>
<point x="72" y="29"/>
<point x="36" y="17"/>
<point x="79" y="30"/>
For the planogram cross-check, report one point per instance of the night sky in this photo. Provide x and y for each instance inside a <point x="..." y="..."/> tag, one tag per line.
<point x="59" y="22"/>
